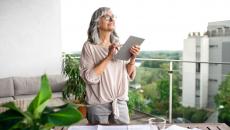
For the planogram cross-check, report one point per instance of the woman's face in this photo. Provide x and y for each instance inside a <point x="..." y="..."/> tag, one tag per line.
<point x="107" y="22"/>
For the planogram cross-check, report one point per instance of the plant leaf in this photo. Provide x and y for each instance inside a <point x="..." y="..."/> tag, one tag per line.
<point x="40" y="101"/>
<point x="14" y="117"/>
<point x="10" y="118"/>
<point x="67" y="115"/>
<point x="12" y="106"/>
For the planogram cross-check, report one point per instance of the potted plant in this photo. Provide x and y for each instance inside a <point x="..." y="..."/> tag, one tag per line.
<point x="75" y="86"/>
<point x="38" y="116"/>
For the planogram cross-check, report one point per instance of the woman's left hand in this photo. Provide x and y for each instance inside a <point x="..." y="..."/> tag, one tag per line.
<point x="134" y="50"/>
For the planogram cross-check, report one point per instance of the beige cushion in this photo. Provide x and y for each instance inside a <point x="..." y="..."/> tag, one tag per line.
<point x="57" y="82"/>
<point x="6" y="87"/>
<point x="31" y="85"/>
<point x="26" y="85"/>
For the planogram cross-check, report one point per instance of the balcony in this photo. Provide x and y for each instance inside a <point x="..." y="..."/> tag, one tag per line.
<point x="157" y="91"/>
<point x="169" y="74"/>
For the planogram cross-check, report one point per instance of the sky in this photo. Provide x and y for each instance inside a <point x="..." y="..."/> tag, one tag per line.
<point x="164" y="24"/>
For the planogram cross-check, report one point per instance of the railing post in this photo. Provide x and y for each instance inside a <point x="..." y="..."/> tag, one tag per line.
<point x="170" y="90"/>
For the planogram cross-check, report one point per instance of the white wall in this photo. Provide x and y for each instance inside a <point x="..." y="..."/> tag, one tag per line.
<point x="189" y="73"/>
<point x="30" y="41"/>
<point x="204" y="72"/>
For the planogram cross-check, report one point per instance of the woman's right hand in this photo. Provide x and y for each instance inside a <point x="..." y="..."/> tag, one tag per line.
<point x="99" y="68"/>
<point x="112" y="50"/>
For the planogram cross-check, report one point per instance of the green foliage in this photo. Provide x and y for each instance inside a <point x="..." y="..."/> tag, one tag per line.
<point x="149" y="90"/>
<point x="152" y="64"/>
<point x="38" y="116"/>
<point x="154" y="80"/>
<point x="75" y="85"/>
<point x="136" y="101"/>
<point x="145" y="76"/>
<point x="192" y="114"/>
<point x="155" y="83"/>
<point x="177" y="112"/>
<point x="133" y="97"/>
<point x="188" y="112"/>
<point x="39" y="102"/>
<point x="199" y="116"/>
<point x="61" y="115"/>
<point x="160" y="101"/>
<point x="222" y="100"/>
<point x="224" y="116"/>
<point x="176" y="55"/>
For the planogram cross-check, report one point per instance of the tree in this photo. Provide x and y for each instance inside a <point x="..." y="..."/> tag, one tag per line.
<point x="222" y="100"/>
<point x="160" y="101"/>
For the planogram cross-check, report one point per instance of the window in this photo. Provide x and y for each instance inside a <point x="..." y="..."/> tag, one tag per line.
<point x="197" y="67"/>
<point x="212" y="46"/>
<point x="197" y="84"/>
<point x="213" y="80"/>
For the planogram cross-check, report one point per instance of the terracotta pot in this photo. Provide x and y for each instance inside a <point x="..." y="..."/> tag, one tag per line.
<point x="82" y="108"/>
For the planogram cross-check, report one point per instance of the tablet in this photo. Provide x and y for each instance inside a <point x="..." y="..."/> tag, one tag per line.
<point x="123" y="53"/>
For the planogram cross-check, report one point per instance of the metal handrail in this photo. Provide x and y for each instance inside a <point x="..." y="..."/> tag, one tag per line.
<point x="188" y="61"/>
<point x="173" y="60"/>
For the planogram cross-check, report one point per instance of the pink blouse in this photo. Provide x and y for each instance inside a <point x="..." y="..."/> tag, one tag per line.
<point x="112" y="84"/>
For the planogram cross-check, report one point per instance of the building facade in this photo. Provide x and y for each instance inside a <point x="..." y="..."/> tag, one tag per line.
<point x="201" y="80"/>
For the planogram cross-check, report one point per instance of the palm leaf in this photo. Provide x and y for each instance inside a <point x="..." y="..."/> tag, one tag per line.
<point x="40" y="101"/>
<point x="67" y="115"/>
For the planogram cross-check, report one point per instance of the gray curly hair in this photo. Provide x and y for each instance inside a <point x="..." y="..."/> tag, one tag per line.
<point x="93" y="32"/>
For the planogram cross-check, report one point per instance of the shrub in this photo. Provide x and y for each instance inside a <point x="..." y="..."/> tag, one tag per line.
<point x="199" y="116"/>
<point x="188" y="112"/>
<point x="177" y="112"/>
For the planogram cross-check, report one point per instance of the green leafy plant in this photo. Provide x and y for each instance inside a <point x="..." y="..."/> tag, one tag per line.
<point x="75" y="85"/>
<point x="38" y="116"/>
<point x="132" y="101"/>
<point x="136" y="102"/>
<point x="222" y="100"/>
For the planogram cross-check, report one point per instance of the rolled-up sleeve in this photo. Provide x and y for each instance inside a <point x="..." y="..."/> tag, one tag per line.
<point x="132" y="76"/>
<point x="87" y="66"/>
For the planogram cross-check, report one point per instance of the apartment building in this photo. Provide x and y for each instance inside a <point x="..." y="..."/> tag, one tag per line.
<point x="201" y="81"/>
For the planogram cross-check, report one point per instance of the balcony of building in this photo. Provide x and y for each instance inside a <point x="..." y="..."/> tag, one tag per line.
<point x="159" y="93"/>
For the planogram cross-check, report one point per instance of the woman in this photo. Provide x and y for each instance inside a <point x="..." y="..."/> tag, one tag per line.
<point x="106" y="79"/>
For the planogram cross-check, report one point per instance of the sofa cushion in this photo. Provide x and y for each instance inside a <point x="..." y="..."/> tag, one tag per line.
<point x="6" y="87"/>
<point x="57" y="82"/>
<point x="26" y="85"/>
<point x="31" y="85"/>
